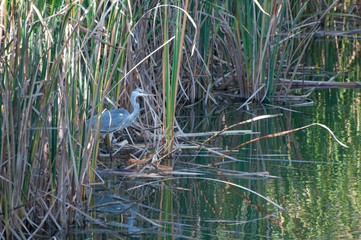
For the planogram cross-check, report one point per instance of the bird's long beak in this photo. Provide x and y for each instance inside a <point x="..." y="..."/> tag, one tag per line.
<point x="145" y="93"/>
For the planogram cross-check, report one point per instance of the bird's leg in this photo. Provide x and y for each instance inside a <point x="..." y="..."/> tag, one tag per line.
<point x="109" y="146"/>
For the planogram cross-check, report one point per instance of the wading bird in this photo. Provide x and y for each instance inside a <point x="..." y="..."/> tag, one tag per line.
<point x="118" y="119"/>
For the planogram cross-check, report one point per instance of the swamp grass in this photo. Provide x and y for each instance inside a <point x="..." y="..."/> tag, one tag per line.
<point x="63" y="63"/>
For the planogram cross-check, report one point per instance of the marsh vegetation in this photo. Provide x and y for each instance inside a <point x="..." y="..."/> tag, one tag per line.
<point x="62" y="63"/>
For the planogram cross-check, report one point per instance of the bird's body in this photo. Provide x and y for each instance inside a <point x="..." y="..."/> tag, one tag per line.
<point x="112" y="120"/>
<point x="118" y="119"/>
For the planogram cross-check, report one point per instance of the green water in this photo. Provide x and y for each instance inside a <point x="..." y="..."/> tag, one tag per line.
<point x="313" y="178"/>
<point x="318" y="184"/>
<point x="322" y="196"/>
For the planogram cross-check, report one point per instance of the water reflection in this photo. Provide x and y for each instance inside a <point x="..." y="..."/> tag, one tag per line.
<point x="306" y="172"/>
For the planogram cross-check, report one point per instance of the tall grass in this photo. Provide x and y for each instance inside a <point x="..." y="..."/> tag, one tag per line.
<point x="62" y="63"/>
<point x="59" y="65"/>
<point x="253" y="40"/>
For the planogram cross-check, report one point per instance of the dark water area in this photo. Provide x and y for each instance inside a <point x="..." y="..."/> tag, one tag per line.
<point x="302" y="185"/>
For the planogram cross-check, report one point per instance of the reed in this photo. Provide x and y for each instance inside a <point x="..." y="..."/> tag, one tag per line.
<point x="253" y="39"/>
<point x="60" y="66"/>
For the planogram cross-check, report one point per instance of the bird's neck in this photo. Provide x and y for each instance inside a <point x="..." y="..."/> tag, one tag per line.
<point x="136" y="106"/>
<point x="136" y="110"/>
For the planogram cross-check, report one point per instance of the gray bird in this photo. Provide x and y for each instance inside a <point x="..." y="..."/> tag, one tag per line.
<point x="118" y="119"/>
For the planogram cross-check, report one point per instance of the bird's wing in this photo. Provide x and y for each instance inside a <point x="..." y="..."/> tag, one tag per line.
<point x="113" y="120"/>
<point x="122" y="111"/>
